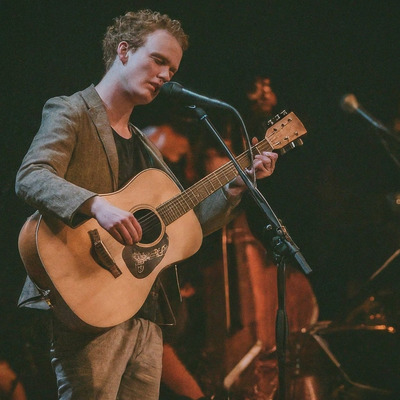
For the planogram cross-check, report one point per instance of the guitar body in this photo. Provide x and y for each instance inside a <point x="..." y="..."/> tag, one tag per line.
<point x="83" y="292"/>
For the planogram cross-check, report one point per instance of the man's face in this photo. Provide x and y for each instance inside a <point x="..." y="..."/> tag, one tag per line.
<point x="150" y="66"/>
<point x="263" y="96"/>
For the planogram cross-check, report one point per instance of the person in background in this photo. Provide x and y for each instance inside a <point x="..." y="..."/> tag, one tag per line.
<point x="261" y="104"/>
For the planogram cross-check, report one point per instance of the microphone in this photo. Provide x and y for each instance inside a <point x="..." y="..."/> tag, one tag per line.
<point x="177" y="91"/>
<point x="350" y="104"/>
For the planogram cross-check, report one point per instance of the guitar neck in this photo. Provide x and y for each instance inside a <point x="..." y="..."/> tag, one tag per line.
<point x="282" y="136"/>
<point x="179" y="205"/>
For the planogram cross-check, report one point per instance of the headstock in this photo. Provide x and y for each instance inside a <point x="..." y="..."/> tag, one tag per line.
<point x="284" y="132"/>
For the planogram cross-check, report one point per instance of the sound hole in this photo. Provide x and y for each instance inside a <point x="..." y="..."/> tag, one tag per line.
<point x="150" y="223"/>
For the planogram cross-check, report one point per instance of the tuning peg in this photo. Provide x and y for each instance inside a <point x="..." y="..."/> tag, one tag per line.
<point x="290" y="146"/>
<point x="276" y="118"/>
<point x="298" y="142"/>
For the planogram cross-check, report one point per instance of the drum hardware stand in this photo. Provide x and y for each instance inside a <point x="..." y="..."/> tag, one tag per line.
<point x="281" y="243"/>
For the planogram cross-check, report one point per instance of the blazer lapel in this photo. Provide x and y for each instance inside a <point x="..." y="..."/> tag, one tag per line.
<point x="99" y="117"/>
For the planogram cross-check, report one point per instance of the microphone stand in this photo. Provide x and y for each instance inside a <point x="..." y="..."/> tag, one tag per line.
<point x="282" y="246"/>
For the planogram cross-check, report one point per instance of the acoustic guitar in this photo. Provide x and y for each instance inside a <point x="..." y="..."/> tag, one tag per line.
<point x="92" y="281"/>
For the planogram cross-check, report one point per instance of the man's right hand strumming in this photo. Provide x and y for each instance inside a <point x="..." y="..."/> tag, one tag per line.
<point x="120" y="224"/>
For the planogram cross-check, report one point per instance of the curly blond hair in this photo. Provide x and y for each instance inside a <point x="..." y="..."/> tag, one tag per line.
<point x="134" y="27"/>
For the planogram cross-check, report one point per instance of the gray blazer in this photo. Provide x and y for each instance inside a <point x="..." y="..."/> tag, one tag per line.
<point x="73" y="157"/>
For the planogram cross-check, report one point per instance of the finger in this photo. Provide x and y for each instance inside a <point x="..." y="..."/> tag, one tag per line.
<point x="263" y="162"/>
<point x="269" y="158"/>
<point x="137" y="227"/>
<point x="128" y="235"/>
<point x="264" y="167"/>
<point x="131" y="226"/>
<point x="116" y="235"/>
<point x="271" y="155"/>
<point x="258" y="162"/>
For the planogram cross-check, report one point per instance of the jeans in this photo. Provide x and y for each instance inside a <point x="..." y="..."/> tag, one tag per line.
<point x="122" y="363"/>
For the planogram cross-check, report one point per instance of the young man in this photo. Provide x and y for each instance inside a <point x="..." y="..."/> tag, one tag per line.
<point x="86" y="146"/>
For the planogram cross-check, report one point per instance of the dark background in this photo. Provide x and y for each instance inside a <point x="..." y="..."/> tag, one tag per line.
<point x="333" y="193"/>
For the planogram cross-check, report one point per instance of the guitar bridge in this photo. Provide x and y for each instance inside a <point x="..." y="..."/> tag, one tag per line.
<point x="101" y="255"/>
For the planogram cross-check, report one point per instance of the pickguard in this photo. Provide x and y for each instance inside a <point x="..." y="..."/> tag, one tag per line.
<point x="141" y="261"/>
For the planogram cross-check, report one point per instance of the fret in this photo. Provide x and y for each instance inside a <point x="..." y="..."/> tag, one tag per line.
<point x="188" y="202"/>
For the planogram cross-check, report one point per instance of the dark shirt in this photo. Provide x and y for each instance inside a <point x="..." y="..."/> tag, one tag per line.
<point x="130" y="156"/>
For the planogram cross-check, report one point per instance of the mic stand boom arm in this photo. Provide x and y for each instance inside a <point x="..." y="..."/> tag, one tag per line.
<point x="350" y="104"/>
<point x="379" y="126"/>
<point x="283" y="247"/>
<point x="282" y="243"/>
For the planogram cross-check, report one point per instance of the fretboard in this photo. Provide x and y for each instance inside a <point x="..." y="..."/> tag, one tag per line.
<point x="179" y="205"/>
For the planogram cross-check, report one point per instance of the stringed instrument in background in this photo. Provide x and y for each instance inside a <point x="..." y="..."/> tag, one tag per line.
<point x="92" y="281"/>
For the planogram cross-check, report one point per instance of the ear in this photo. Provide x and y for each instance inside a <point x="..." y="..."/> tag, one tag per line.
<point x="122" y="51"/>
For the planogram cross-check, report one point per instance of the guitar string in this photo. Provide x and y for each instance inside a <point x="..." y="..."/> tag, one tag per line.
<point x="150" y="222"/>
<point x="179" y="202"/>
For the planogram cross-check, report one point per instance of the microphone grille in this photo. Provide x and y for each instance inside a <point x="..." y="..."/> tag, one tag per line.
<point x="171" y="88"/>
<point x="349" y="103"/>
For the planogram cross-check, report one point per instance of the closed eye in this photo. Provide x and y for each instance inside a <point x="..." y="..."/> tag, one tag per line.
<point x="160" y="60"/>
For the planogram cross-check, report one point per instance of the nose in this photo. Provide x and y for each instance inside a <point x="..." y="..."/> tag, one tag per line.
<point x="165" y="74"/>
